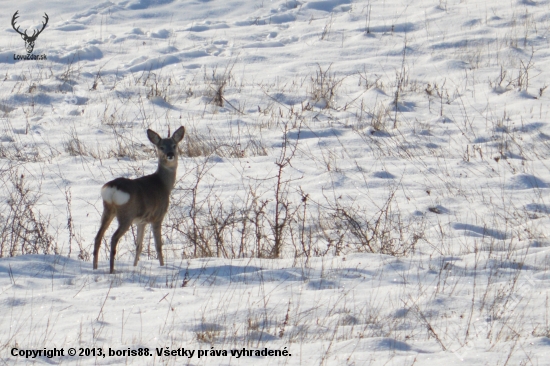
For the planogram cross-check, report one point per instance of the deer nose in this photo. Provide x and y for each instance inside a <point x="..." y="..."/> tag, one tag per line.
<point x="170" y="156"/>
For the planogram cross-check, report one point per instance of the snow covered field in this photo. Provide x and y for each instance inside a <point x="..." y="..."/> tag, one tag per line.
<point x="361" y="182"/>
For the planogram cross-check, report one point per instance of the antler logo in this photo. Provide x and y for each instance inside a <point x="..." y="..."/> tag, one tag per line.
<point x="29" y="40"/>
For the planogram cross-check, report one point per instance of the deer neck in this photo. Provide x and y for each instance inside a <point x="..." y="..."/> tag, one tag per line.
<point x="167" y="174"/>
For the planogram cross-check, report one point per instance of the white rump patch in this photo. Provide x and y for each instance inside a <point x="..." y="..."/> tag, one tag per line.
<point x="113" y="195"/>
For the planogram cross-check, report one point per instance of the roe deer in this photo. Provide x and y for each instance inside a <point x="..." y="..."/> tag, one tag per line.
<point x="142" y="200"/>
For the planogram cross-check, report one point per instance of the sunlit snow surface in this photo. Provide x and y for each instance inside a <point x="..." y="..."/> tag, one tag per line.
<point x="429" y="118"/>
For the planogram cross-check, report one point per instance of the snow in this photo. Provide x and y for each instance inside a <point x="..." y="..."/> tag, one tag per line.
<point x="361" y="182"/>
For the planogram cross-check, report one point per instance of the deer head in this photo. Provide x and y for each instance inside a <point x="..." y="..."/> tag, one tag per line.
<point x="29" y="40"/>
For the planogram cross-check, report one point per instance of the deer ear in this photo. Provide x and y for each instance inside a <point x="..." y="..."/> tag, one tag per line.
<point x="153" y="137"/>
<point x="178" y="135"/>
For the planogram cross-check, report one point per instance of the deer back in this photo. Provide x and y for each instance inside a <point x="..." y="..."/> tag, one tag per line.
<point x="148" y="199"/>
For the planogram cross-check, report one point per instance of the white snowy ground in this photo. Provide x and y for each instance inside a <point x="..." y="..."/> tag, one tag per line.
<point x="411" y="144"/>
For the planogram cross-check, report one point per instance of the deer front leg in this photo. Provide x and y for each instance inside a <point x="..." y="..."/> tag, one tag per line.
<point x="158" y="240"/>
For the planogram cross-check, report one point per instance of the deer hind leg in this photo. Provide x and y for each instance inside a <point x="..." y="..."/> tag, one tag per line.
<point x="123" y="226"/>
<point x="158" y="240"/>
<point x="106" y="219"/>
<point x="139" y="241"/>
